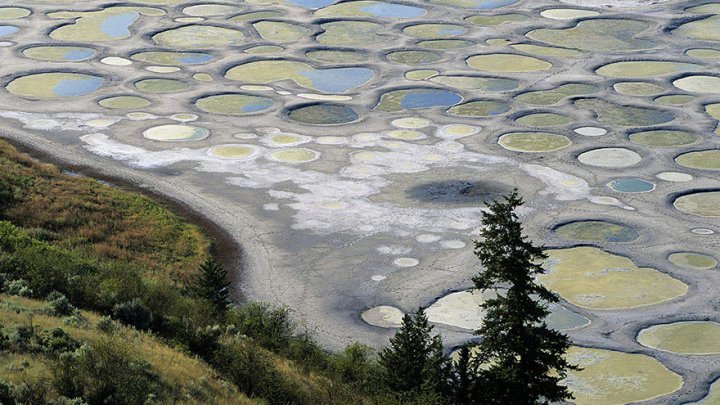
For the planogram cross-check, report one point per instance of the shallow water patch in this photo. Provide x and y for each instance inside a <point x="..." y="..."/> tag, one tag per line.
<point x="323" y="114"/>
<point x="592" y="278"/>
<point x="332" y="80"/>
<point x="703" y="204"/>
<point x="479" y="108"/>
<point x="60" y="53"/>
<point x="624" y="115"/>
<point x="692" y="260"/>
<point x="599" y="35"/>
<point x="644" y="69"/>
<point x="199" y="37"/>
<point x="663" y="138"/>
<point x="631" y="185"/>
<point x="702" y="160"/>
<point x="553" y="96"/>
<point x="476" y="82"/>
<point x="612" y="158"/>
<point x="55" y="85"/>
<point x="233" y="104"/>
<point x="610" y="377"/>
<point x="597" y="231"/>
<point x="371" y="8"/>
<point x="176" y="133"/>
<point x="689" y="337"/>
<point x="124" y="102"/>
<point x="507" y="63"/>
<point x="533" y="142"/>
<point x="417" y="98"/>
<point x="161" y="86"/>
<point x="109" y="24"/>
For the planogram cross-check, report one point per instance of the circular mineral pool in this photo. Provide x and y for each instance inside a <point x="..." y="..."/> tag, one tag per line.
<point x="13" y="13"/>
<point x="115" y="61"/>
<point x="479" y="108"/>
<point x="416" y="98"/>
<point x="597" y="231"/>
<point x="233" y="104"/>
<point x="434" y="30"/>
<point x="533" y="141"/>
<point x="638" y="89"/>
<point x="337" y="56"/>
<point x="674" y="177"/>
<point x="631" y="185"/>
<point x="413" y="57"/>
<point x="703" y="204"/>
<point x="663" y="138"/>
<point x="454" y="131"/>
<point x="161" y="86"/>
<point x="692" y="260"/>
<point x="60" y="53"/>
<point x="445" y="44"/>
<point x="567" y="13"/>
<point x="703" y="160"/>
<point x="674" y="99"/>
<point x="323" y="114"/>
<point x="210" y="10"/>
<point x="590" y="131"/>
<point x="406" y="262"/>
<point x="699" y="84"/>
<point x="55" y="85"/>
<point x="507" y="63"/>
<point x="646" y="68"/>
<point x="612" y="377"/>
<point x="610" y="158"/>
<point x="176" y="133"/>
<point x="124" y="102"/>
<point x="383" y="316"/>
<point x="294" y="155"/>
<point x="199" y="37"/>
<point x="695" y="338"/>
<point x="593" y="278"/>
<point x="543" y="120"/>
<point x="411" y="123"/>
<point x="703" y="53"/>
<point x="234" y="152"/>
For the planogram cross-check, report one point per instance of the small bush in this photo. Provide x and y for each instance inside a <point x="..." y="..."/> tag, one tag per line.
<point x="106" y="372"/>
<point x="60" y="305"/>
<point x="269" y="326"/>
<point x="106" y="325"/>
<point x="18" y="287"/>
<point x="6" y="392"/>
<point x="133" y="313"/>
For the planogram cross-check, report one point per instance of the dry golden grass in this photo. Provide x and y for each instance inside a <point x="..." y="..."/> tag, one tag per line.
<point x="85" y="215"/>
<point x="189" y="380"/>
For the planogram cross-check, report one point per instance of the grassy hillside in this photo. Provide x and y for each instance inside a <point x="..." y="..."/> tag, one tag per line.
<point x="99" y="221"/>
<point x="99" y="300"/>
<point x="32" y="368"/>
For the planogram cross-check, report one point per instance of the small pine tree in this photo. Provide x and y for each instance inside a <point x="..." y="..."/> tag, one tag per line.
<point x="414" y="364"/>
<point x="464" y="377"/>
<point x="522" y="357"/>
<point x="212" y="284"/>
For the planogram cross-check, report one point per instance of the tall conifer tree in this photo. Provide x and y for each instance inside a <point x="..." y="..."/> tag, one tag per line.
<point x="520" y="360"/>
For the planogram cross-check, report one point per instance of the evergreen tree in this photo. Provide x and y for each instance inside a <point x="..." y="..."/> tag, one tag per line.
<point x="414" y="365"/>
<point x="212" y="284"/>
<point x="464" y="377"/>
<point x="522" y="357"/>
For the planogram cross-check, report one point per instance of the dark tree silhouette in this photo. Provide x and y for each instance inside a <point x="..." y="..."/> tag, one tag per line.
<point x="519" y="360"/>
<point x="213" y="285"/>
<point x="414" y="365"/>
